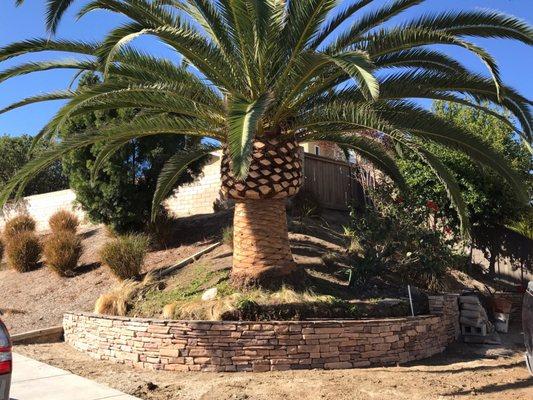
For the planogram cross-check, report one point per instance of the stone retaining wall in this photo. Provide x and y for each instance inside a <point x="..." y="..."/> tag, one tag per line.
<point x="264" y="346"/>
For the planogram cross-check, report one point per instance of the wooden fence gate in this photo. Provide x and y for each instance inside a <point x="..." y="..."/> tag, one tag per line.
<point x="332" y="182"/>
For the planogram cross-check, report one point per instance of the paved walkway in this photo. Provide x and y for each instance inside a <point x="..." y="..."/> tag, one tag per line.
<point x="34" y="380"/>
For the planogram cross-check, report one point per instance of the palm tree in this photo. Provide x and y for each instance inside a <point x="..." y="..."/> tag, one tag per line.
<point x="258" y="77"/>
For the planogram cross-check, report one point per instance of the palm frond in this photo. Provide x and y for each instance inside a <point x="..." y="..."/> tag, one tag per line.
<point x="479" y="23"/>
<point x="243" y="119"/>
<point x="337" y="20"/>
<point x="30" y="67"/>
<point x="38" y="45"/>
<point x="56" y="9"/>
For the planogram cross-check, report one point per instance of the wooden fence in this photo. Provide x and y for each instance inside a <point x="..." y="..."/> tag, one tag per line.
<point x="332" y="182"/>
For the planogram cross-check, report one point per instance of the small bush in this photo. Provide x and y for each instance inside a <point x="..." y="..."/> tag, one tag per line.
<point x="125" y="255"/>
<point x="18" y="224"/>
<point x="62" y="251"/>
<point x="64" y="221"/>
<point x="306" y="205"/>
<point x="161" y="231"/>
<point x="227" y="236"/>
<point x="23" y="251"/>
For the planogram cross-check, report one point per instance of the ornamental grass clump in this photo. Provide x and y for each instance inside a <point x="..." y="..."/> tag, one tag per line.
<point x="62" y="251"/>
<point x="18" y="224"/>
<point x="64" y="220"/>
<point x="119" y="300"/>
<point x="23" y="251"/>
<point x="125" y="255"/>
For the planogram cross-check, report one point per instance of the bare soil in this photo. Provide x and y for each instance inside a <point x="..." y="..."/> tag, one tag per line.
<point x="462" y="372"/>
<point x="39" y="298"/>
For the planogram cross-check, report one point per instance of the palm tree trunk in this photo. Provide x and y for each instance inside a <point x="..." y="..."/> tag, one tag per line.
<point x="261" y="254"/>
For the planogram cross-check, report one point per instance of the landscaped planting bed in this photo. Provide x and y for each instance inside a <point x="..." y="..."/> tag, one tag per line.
<point x="264" y="346"/>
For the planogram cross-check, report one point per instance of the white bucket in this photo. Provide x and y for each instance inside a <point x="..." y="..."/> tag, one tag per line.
<point x="501" y="322"/>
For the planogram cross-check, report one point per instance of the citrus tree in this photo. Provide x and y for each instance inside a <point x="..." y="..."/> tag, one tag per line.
<point x="258" y="77"/>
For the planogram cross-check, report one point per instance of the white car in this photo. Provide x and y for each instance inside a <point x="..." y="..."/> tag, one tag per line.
<point x="6" y="363"/>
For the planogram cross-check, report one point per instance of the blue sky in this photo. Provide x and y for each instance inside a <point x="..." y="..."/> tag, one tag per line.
<point x="27" y="22"/>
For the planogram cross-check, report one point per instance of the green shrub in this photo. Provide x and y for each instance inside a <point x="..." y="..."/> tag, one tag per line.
<point x="227" y="236"/>
<point x="18" y="224"/>
<point x="64" y="220"/>
<point x="394" y="236"/>
<point x="125" y="255"/>
<point x="23" y="251"/>
<point x="62" y="251"/>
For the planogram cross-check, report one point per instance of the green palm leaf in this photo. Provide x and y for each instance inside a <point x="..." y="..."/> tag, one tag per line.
<point x="243" y="120"/>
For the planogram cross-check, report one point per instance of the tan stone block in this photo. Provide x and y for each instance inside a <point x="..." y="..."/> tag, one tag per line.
<point x="338" y="365"/>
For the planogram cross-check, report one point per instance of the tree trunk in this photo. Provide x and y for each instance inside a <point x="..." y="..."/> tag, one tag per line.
<point x="261" y="252"/>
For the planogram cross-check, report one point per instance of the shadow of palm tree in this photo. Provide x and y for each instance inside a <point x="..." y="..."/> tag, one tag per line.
<point x="495" y="388"/>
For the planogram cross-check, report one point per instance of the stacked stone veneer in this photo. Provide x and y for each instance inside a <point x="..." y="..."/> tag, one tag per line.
<point x="263" y="346"/>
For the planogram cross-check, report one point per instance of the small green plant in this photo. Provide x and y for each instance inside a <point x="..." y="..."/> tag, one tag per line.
<point x="125" y="255"/>
<point x="18" y="224"/>
<point x="64" y="220"/>
<point x="306" y="205"/>
<point x="23" y="251"/>
<point x="227" y="236"/>
<point x="62" y="251"/>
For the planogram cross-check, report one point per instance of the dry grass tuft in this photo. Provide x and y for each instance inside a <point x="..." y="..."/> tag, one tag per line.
<point x="235" y="306"/>
<point x="62" y="251"/>
<point x="23" y="251"/>
<point x="64" y="220"/>
<point x="168" y="310"/>
<point x="125" y="255"/>
<point x="20" y="223"/>
<point x="118" y="301"/>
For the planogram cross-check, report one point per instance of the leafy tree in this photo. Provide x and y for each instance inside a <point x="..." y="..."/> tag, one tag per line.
<point x="15" y="153"/>
<point x="491" y="201"/>
<point x="121" y="194"/>
<point x="261" y="76"/>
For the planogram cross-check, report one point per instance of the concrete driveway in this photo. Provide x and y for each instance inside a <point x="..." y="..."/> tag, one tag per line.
<point x="34" y="380"/>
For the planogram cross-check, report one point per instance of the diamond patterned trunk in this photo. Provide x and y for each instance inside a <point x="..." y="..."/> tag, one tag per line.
<point x="261" y="254"/>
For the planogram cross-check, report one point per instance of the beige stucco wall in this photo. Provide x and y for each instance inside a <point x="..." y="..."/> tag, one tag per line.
<point x="200" y="196"/>
<point x="42" y="207"/>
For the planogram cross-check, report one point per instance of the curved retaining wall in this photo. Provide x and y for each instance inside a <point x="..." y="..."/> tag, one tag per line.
<point x="264" y="346"/>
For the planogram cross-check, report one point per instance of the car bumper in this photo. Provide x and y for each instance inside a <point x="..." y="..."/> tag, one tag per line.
<point x="527" y="325"/>
<point x="5" y="384"/>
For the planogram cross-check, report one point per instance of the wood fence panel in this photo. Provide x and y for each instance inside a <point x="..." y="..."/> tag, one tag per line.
<point x="332" y="182"/>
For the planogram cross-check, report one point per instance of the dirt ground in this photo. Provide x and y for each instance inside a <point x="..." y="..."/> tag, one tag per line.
<point x="462" y="372"/>
<point x="39" y="298"/>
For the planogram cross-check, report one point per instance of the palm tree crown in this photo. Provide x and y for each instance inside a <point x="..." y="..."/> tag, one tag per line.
<point x="293" y="70"/>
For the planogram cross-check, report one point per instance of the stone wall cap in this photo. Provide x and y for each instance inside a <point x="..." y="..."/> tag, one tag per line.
<point x="362" y="321"/>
